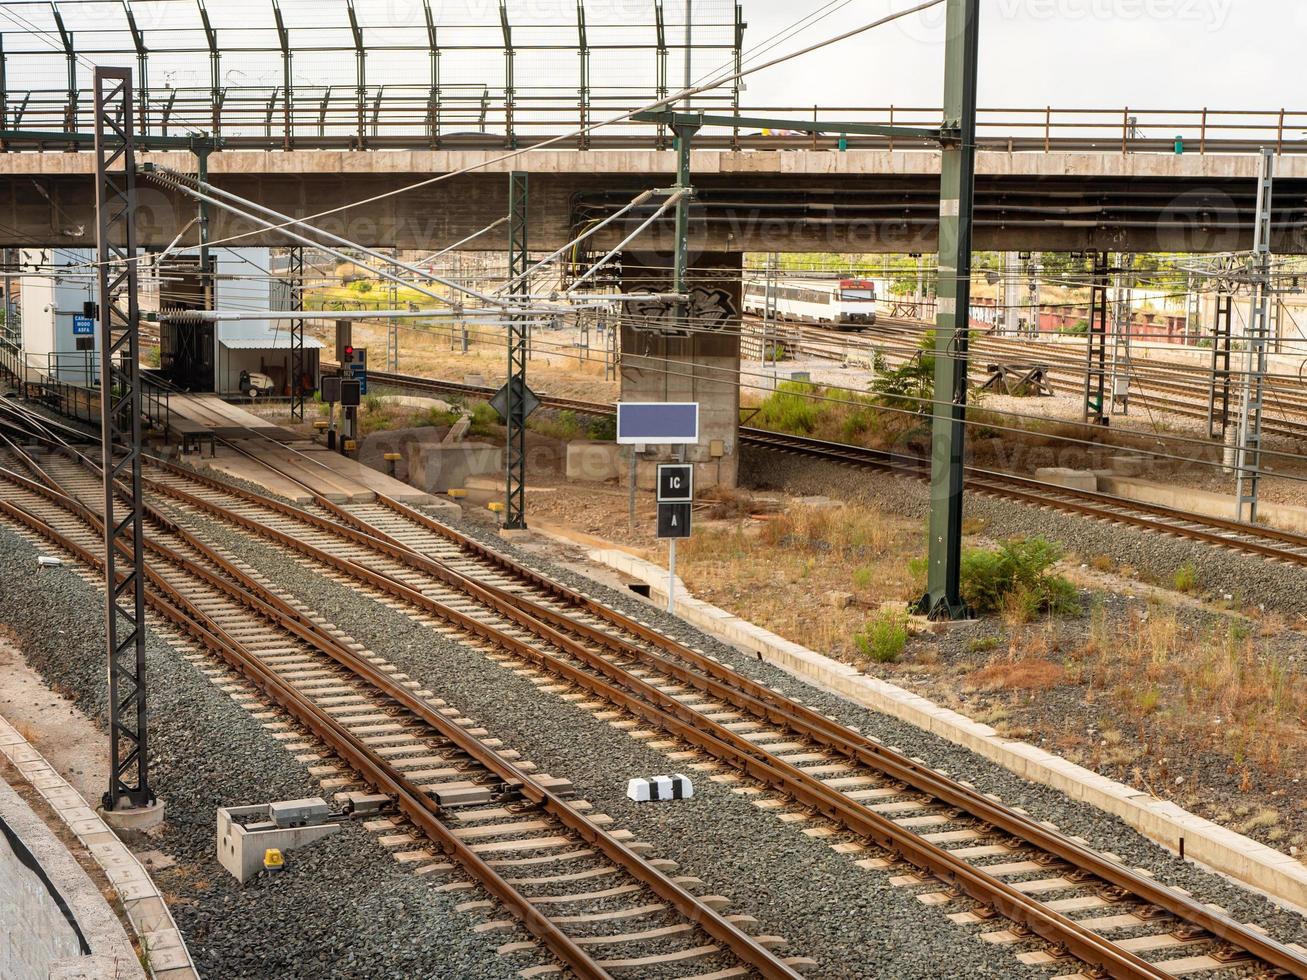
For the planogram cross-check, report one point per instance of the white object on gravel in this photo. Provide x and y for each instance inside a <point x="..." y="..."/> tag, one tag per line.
<point x="677" y="787"/>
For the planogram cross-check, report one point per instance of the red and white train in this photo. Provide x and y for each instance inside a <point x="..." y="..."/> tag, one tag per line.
<point x="846" y="304"/>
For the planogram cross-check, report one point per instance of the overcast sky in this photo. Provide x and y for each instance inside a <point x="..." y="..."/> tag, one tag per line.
<point x="1165" y="54"/>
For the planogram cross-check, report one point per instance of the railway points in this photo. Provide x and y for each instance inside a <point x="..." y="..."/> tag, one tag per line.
<point x="534" y="520"/>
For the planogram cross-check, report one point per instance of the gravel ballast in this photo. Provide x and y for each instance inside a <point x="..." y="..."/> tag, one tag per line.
<point x="343" y="908"/>
<point x="852" y="922"/>
<point x="1102" y="831"/>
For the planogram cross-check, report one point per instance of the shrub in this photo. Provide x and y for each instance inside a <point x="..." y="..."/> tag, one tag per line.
<point x="911" y="385"/>
<point x="1015" y="578"/>
<point x="438" y="417"/>
<point x="361" y="285"/>
<point x="372" y="403"/>
<point x="790" y="408"/>
<point x="1185" y="578"/>
<point x="863" y="578"/>
<point x="485" y="420"/>
<point x="603" y="428"/>
<point x="883" y="638"/>
<point x="564" y="427"/>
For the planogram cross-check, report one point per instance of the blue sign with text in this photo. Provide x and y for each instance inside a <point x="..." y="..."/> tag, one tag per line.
<point x="83" y="326"/>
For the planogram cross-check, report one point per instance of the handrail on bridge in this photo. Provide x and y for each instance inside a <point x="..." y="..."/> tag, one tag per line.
<point x="473" y="116"/>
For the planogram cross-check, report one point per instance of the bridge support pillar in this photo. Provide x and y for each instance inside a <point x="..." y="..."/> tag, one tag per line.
<point x="701" y="364"/>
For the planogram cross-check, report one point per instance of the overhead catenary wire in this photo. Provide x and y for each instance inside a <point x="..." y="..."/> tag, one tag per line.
<point x="686" y="369"/>
<point x="664" y="102"/>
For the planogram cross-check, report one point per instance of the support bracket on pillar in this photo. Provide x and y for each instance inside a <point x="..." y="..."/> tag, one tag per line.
<point x="120" y="421"/>
<point x="957" y="135"/>
<point x="515" y="453"/>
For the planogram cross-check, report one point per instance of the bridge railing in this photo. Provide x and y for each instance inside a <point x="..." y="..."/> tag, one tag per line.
<point x="482" y="116"/>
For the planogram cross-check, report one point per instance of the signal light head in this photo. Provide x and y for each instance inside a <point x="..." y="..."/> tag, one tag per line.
<point x="349" y="354"/>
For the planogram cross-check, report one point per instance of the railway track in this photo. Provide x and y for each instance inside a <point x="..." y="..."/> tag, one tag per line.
<point x="1259" y="540"/>
<point x="511" y="829"/>
<point x="1155" y="385"/>
<point x="992" y="864"/>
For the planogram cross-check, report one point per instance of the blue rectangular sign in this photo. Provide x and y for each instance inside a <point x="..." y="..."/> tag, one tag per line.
<point x="83" y="326"/>
<point x="657" y="423"/>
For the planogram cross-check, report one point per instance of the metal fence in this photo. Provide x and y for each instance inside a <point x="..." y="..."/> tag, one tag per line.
<point x="362" y="72"/>
<point x="417" y="117"/>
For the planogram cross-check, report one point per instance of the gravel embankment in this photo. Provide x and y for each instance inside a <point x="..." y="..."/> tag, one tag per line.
<point x="1101" y="830"/>
<point x="1247" y="578"/>
<point x="851" y="921"/>
<point x="343" y="908"/>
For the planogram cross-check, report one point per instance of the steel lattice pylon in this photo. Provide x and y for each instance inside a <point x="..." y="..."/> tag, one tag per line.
<point x="515" y="462"/>
<point x="295" y="276"/>
<point x="120" y="420"/>
<point x="1096" y="345"/>
<point x="1248" y="463"/>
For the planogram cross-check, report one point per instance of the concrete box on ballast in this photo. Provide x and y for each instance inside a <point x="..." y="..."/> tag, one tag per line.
<point x="243" y="839"/>
<point x="299" y="813"/>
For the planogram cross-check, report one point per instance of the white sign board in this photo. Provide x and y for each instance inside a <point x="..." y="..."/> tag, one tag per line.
<point x="657" y="423"/>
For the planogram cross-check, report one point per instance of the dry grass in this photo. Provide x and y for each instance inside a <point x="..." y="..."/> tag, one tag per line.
<point x="1215" y="684"/>
<point x="1026" y="674"/>
<point x="436" y="351"/>
<point x="776" y="572"/>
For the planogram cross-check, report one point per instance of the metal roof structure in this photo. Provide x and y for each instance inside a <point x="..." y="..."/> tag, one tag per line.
<point x="359" y="72"/>
<point x="277" y="341"/>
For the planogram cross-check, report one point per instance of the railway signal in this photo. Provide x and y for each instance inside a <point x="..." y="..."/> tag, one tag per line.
<point x="675" y="494"/>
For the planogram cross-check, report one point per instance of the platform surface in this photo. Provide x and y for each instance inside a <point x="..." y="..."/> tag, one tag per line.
<point x="225" y="419"/>
<point x="281" y="469"/>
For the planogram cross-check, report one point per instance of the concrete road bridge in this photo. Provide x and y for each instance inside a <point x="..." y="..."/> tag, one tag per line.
<point x="775" y="195"/>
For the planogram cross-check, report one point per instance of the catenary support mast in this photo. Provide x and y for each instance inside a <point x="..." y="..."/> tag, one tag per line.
<point x="120" y="421"/>
<point x="943" y="598"/>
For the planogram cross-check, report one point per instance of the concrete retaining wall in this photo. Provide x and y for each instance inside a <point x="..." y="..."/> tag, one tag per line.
<point x="1262" y="867"/>
<point x="54" y="921"/>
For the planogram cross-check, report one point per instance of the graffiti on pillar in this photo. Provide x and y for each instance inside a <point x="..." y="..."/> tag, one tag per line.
<point x="710" y="309"/>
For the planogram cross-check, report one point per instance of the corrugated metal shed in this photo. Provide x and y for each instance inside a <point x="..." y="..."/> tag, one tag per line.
<point x="280" y="341"/>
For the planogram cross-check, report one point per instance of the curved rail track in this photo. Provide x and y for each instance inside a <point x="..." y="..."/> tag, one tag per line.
<point x="1259" y="540"/>
<point x="472" y="801"/>
<point x="959" y="841"/>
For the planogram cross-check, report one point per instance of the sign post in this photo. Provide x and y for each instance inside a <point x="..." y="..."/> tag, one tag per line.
<point x="350" y="391"/>
<point x="330" y="388"/>
<point x="675" y="495"/>
<point x="642" y="424"/>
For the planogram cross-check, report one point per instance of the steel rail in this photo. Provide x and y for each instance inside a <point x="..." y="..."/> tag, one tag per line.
<point x="728" y="685"/>
<point x="636" y="695"/>
<point x="1097" y="505"/>
<point x="647" y="702"/>
<point x="249" y="592"/>
<point x="1158" y="386"/>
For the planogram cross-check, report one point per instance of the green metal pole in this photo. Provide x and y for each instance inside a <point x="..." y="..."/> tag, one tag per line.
<point x="943" y="598"/>
<point x="684" y="134"/>
<point x="202" y="214"/>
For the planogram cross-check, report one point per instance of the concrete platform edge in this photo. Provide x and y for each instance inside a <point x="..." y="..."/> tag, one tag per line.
<point x="168" y="957"/>
<point x="1250" y="862"/>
